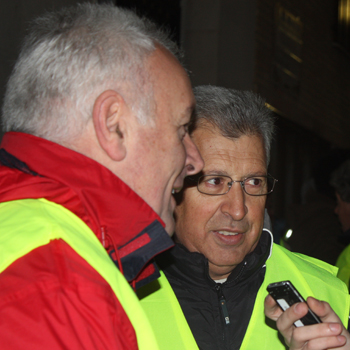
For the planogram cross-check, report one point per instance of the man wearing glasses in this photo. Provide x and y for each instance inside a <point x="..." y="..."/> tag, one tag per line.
<point x="224" y="259"/>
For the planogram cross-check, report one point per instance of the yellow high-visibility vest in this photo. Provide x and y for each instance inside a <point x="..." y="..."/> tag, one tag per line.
<point x="343" y="263"/>
<point x="30" y="223"/>
<point x="310" y="276"/>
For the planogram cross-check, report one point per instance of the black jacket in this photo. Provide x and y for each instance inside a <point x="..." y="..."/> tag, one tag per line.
<point x="218" y="314"/>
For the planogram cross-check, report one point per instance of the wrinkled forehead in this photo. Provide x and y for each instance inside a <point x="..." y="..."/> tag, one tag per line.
<point x="219" y="151"/>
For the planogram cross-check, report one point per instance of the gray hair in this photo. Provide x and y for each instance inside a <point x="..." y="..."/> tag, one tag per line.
<point x="235" y="113"/>
<point x="70" y="57"/>
<point x="340" y="180"/>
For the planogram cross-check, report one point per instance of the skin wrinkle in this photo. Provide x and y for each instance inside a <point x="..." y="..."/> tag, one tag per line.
<point x="200" y="217"/>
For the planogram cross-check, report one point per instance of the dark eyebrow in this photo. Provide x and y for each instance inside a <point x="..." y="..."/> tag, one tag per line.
<point x="224" y="173"/>
<point x="215" y="172"/>
<point x="260" y="173"/>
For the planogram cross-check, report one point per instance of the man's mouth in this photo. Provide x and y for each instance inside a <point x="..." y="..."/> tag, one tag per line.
<point x="228" y="233"/>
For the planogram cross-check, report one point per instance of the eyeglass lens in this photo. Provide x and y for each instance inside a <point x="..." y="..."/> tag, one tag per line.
<point x="221" y="184"/>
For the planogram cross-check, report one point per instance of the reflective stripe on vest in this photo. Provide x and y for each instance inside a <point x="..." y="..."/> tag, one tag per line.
<point x="30" y="223"/>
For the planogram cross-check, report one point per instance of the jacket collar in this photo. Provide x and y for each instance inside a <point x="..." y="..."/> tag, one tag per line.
<point x="193" y="268"/>
<point x="123" y="222"/>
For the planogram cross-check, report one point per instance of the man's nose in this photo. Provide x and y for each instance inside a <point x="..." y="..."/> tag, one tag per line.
<point x="233" y="202"/>
<point x="194" y="162"/>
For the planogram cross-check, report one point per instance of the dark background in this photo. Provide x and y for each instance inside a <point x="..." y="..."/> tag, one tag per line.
<point x="294" y="53"/>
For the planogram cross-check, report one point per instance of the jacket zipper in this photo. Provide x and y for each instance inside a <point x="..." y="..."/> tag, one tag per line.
<point x="222" y="302"/>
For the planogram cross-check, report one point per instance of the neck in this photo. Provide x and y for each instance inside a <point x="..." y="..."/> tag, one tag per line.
<point x="219" y="273"/>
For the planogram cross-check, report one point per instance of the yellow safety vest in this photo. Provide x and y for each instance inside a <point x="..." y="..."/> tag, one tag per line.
<point x="166" y="316"/>
<point x="30" y="223"/>
<point x="343" y="263"/>
<point x="312" y="277"/>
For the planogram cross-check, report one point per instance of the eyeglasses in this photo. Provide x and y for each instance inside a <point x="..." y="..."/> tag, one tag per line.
<point x="217" y="185"/>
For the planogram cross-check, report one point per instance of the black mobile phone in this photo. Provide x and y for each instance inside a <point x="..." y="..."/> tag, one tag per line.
<point x="285" y="295"/>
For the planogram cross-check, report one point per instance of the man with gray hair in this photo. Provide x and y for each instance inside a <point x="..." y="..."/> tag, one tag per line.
<point x="215" y="277"/>
<point x="340" y="180"/>
<point x="96" y="116"/>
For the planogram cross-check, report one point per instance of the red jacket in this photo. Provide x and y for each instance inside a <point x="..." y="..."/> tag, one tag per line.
<point x="51" y="298"/>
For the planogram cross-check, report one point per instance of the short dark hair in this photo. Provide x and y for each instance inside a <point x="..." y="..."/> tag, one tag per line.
<point x="235" y="113"/>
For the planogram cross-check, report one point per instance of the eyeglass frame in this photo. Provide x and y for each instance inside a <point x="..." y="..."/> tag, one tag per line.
<point x="242" y="183"/>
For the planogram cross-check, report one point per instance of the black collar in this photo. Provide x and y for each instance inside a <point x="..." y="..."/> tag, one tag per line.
<point x="193" y="267"/>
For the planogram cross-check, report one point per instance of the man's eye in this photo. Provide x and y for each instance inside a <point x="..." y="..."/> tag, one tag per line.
<point x="253" y="181"/>
<point x="215" y="181"/>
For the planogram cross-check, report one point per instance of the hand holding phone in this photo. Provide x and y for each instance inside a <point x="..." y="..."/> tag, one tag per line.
<point x="285" y="295"/>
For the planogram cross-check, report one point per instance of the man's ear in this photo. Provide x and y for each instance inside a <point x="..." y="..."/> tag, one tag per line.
<point x="109" y="115"/>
